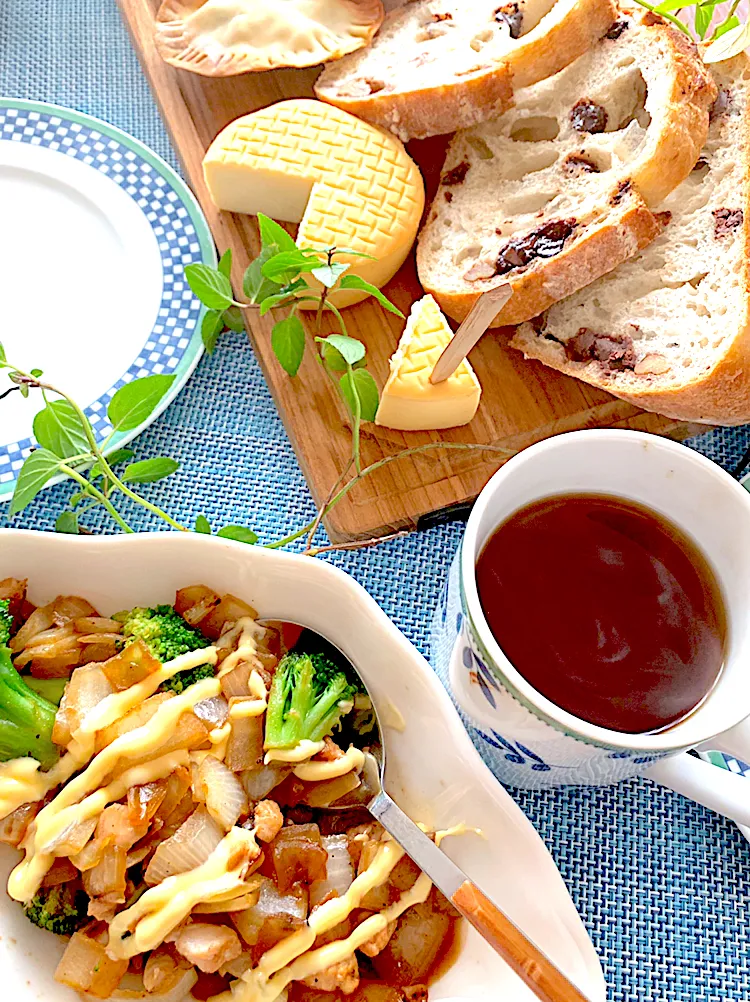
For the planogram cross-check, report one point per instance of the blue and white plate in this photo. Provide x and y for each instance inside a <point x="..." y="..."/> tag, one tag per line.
<point x="95" y="233"/>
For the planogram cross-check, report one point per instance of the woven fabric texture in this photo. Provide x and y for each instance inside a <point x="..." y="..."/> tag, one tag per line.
<point x="661" y="884"/>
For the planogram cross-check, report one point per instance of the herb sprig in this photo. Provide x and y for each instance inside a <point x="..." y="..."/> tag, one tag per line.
<point x="276" y="279"/>
<point x="729" y="36"/>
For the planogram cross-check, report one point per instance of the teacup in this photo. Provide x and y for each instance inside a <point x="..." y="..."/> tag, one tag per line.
<point x="526" y="739"/>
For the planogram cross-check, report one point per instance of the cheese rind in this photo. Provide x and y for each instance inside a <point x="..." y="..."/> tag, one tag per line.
<point x="347" y="183"/>
<point x="410" y="402"/>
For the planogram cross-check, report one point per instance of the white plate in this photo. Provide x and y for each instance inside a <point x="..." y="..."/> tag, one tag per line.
<point x="434" y="772"/>
<point x="96" y="232"/>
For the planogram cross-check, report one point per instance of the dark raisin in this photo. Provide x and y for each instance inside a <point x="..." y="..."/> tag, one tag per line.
<point x="623" y="188"/>
<point x="587" y="116"/>
<point x="457" y="174"/>
<point x="616" y="30"/>
<point x="614" y="351"/>
<point x="512" y="15"/>
<point x="449" y="196"/>
<point x="539" y="322"/>
<point x="701" y="164"/>
<point x="664" y="217"/>
<point x="726" y="220"/>
<point x="442" y="17"/>
<point x="574" y="164"/>
<point x="544" y="242"/>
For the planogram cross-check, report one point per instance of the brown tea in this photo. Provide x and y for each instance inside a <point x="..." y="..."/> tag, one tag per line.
<point x="606" y="608"/>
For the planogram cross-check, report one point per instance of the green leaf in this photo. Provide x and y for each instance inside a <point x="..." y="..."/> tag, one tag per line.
<point x="225" y="263"/>
<point x="334" y="360"/>
<point x="703" y="18"/>
<point x="288" y="343"/>
<point x="202" y="525"/>
<point x="361" y="382"/>
<point x="135" y="402"/>
<point x="730" y="44"/>
<point x="58" y="429"/>
<point x="670" y="5"/>
<point x="24" y="388"/>
<point x="39" y="467"/>
<point x="351" y="350"/>
<point x="3" y="356"/>
<point x="211" y="326"/>
<point x="115" y="457"/>
<point x="36" y="373"/>
<point x="273" y="235"/>
<point x="287" y="293"/>
<point x="255" y="285"/>
<point x="233" y="319"/>
<point x="286" y="266"/>
<point x="730" y="23"/>
<point x="329" y="274"/>
<point x="239" y="533"/>
<point x="148" y="471"/>
<point x="355" y="282"/>
<point x="67" y="521"/>
<point x="211" y="286"/>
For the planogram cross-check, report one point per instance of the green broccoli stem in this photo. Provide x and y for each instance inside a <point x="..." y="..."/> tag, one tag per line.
<point x="26" y="718"/>
<point x="306" y="700"/>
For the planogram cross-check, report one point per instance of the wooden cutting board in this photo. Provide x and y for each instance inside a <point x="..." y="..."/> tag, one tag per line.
<point x="522" y="402"/>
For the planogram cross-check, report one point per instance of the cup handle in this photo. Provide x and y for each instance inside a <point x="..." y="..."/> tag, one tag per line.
<point x="717" y="789"/>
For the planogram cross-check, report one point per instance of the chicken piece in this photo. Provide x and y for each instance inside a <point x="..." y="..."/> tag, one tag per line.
<point x="268" y="820"/>
<point x="102" y="910"/>
<point x="162" y="969"/>
<point x="342" y="977"/>
<point x="331" y="752"/>
<point x="379" y="941"/>
<point x="208" y="947"/>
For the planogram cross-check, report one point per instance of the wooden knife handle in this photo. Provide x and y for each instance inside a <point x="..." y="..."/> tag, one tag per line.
<point x="545" y="980"/>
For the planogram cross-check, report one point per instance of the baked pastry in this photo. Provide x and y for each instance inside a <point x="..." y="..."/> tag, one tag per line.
<point x="220" y="38"/>
<point x="440" y="65"/>
<point x="559" y="190"/>
<point x="669" y="330"/>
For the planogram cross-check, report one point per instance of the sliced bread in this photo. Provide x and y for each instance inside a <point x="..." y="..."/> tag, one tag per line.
<point x="440" y="65"/>
<point x="669" y="330"/>
<point x="558" y="191"/>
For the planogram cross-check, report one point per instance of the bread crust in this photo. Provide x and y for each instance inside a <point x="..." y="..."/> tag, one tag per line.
<point x="458" y="104"/>
<point x="630" y="226"/>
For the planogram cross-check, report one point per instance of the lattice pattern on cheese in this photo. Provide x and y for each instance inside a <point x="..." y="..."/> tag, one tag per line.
<point x="346" y="182"/>
<point x="416" y="357"/>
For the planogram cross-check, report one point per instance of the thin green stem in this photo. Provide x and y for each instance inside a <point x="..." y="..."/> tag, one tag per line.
<point x="357" y="416"/>
<point x="75" y="475"/>
<point x="670" y="17"/>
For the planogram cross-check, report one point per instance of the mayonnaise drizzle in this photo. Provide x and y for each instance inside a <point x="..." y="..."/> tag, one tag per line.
<point x="149" y="921"/>
<point x="300" y="753"/>
<point x="293" y="960"/>
<point x="314" y="772"/>
<point x="20" y="779"/>
<point x="26" y="877"/>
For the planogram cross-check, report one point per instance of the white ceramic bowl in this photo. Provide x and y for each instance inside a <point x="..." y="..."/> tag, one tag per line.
<point x="434" y="772"/>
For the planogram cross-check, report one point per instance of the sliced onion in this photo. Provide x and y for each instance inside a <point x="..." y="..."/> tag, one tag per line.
<point x="225" y="797"/>
<point x="195" y="602"/>
<point x="339" y="873"/>
<point x="144" y="801"/>
<point x="61" y="872"/>
<point x="235" y="682"/>
<point x="13" y="827"/>
<point x="97" y="647"/>
<point x="108" y="876"/>
<point x="131" y="989"/>
<point x="131" y="665"/>
<point x="245" y="745"/>
<point x="96" y="624"/>
<point x="283" y="911"/>
<point x="188" y="848"/>
<point x="178" y="785"/>
<point x="226" y="613"/>
<point x="213" y="712"/>
<point x="328" y="791"/>
<point x="245" y="899"/>
<point x="71" y="839"/>
<point x="85" y="967"/>
<point x="135" y="718"/>
<point x="258" y="783"/>
<point x="40" y="619"/>
<point x="87" y="687"/>
<point x="66" y="608"/>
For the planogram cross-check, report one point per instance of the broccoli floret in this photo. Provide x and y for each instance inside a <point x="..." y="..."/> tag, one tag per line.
<point x="309" y="695"/>
<point x="26" y="718"/>
<point x="6" y="622"/>
<point x="61" y="909"/>
<point x="184" y="679"/>
<point x="167" y="635"/>
<point x="51" y="688"/>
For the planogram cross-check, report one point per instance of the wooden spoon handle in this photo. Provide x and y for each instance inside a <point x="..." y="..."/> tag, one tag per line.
<point x="545" y="980"/>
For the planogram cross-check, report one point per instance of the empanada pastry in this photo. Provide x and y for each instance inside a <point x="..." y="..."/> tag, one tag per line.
<point x="220" y="38"/>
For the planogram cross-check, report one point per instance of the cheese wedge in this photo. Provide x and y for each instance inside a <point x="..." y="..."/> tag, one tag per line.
<point x="347" y="183"/>
<point x="410" y="402"/>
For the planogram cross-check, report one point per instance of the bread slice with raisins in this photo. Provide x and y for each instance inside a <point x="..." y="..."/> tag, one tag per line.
<point x="669" y="330"/>
<point x="440" y="65"/>
<point x="560" y="189"/>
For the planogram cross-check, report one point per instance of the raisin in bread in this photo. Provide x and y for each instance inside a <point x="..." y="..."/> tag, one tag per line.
<point x="670" y="329"/>
<point x="558" y="191"/>
<point x="440" y="65"/>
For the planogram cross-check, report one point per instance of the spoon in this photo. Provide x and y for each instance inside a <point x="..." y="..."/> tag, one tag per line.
<point x="534" y="968"/>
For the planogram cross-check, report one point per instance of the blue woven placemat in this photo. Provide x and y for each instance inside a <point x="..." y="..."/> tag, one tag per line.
<point x="662" y="884"/>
